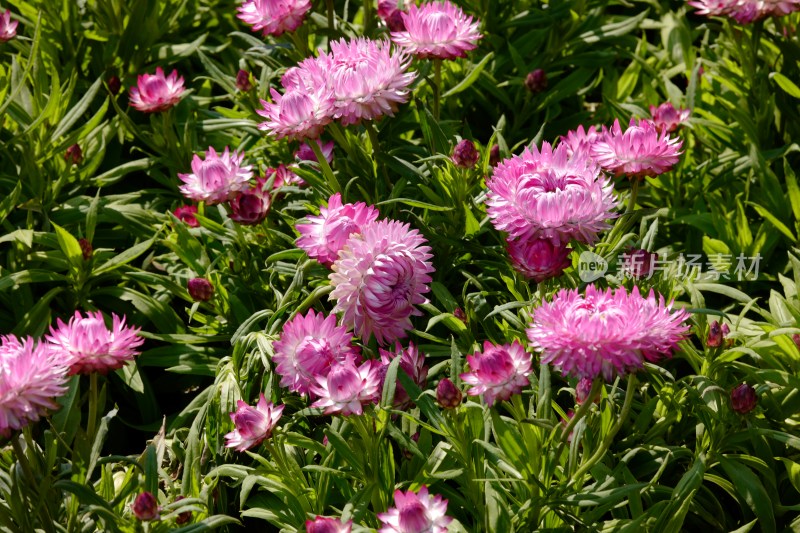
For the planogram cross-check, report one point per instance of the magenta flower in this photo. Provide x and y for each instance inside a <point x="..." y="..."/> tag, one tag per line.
<point x="200" y="289"/>
<point x="538" y="259"/>
<point x="437" y="30"/>
<point x="273" y="17"/>
<point x="307" y="349"/>
<point x="8" y="27"/>
<point x="746" y="11"/>
<point x="325" y="524"/>
<point x="448" y="395"/>
<point x="323" y="236"/>
<point x="580" y="141"/>
<point x="250" y="206"/>
<point x="186" y="214"/>
<point x="305" y="153"/>
<point x="156" y="92"/>
<point x="550" y="195"/>
<point x="465" y="155"/>
<point x="667" y="118"/>
<point x="605" y="333"/>
<point x="297" y="114"/>
<point x="32" y="376"/>
<point x="412" y="362"/>
<point x="86" y="345"/>
<point x="284" y="176"/>
<point x="744" y="398"/>
<point x="252" y="424"/>
<point x="637" y="152"/>
<point x="145" y="507"/>
<point x="346" y="388"/>
<point x="380" y="275"/>
<point x="415" y="512"/>
<point x="216" y="179"/>
<point x="499" y="372"/>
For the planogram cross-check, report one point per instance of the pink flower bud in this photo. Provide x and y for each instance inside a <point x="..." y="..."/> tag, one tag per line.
<point x="243" y="81"/>
<point x="494" y="155"/>
<point x="186" y="214"/>
<point x="716" y="333"/>
<point x="538" y="259"/>
<point x="73" y="155"/>
<point x="114" y="85"/>
<point x="200" y="289"/>
<point x="796" y="339"/>
<point x="743" y="399"/>
<point x="465" y="155"/>
<point x="145" y="507"/>
<point x="86" y="249"/>
<point x="459" y="314"/>
<point x="536" y="81"/>
<point x="582" y="390"/>
<point x="251" y="206"/>
<point x="324" y="524"/>
<point x="639" y="263"/>
<point x="447" y="394"/>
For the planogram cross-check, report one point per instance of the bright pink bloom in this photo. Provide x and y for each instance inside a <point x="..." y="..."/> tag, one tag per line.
<point x="667" y="118"/>
<point x="539" y="259"/>
<point x="415" y="512"/>
<point x="284" y="176"/>
<point x="325" y="235"/>
<point x="605" y="333"/>
<point x="412" y="362"/>
<point x="580" y="141"/>
<point x="380" y="275"/>
<point x="638" y="151"/>
<point x="746" y="11"/>
<point x="438" y="30"/>
<point x="273" y="17"/>
<point x="32" y="376"/>
<point x="8" y="27"/>
<point x="87" y="345"/>
<point x="252" y="424"/>
<point x="145" y="507"/>
<point x="251" y="206"/>
<point x="305" y="153"/>
<point x="499" y="372"/>
<point x="297" y="114"/>
<point x="549" y="195"/>
<point x="156" y="92"/>
<point x="346" y="388"/>
<point x="186" y="214"/>
<point x="325" y="524"/>
<point x="309" y="346"/>
<point x="216" y="179"/>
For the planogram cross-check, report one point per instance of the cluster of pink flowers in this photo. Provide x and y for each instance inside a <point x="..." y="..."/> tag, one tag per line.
<point x="274" y="17"/>
<point x="157" y="92"/>
<point x="437" y="30"/>
<point x="746" y="11"/>
<point x="8" y="27"/>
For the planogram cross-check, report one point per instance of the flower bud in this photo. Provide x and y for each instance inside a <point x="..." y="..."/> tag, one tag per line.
<point x="114" y="85"/>
<point x="395" y="21"/>
<point x="73" y="155"/>
<point x="582" y="390"/>
<point x="465" y="155"/>
<point x="460" y="314"/>
<point x="86" y="249"/>
<point x="250" y="207"/>
<point x="796" y="339"/>
<point x="186" y="214"/>
<point x="639" y="263"/>
<point x="200" y="289"/>
<point x="243" y="81"/>
<point x="494" y="155"/>
<point x="716" y="333"/>
<point x="538" y="259"/>
<point x="184" y="517"/>
<point x="743" y="399"/>
<point x="145" y="507"/>
<point x="536" y="81"/>
<point x="447" y="394"/>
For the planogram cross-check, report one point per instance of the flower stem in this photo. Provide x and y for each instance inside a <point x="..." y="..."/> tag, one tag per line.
<point x="331" y="15"/>
<point x="92" y="421"/>
<point x="326" y="168"/>
<point x="368" y="16"/>
<point x="437" y="86"/>
<point x="634" y="194"/>
<point x="579" y="414"/>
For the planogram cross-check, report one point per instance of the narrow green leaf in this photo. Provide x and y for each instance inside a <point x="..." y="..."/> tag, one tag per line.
<point x="69" y="246"/>
<point x="786" y="84"/>
<point x="749" y="487"/>
<point x="123" y="258"/>
<point x="470" y="78"/>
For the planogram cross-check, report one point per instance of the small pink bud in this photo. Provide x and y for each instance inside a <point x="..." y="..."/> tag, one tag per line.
<point x="324" y="524"/>
<point x="465" y="155"/>
<point x="716" y="333"/>
<point x="796" y="339"/>
<point x="536" y="81"/>
<point x="639" y="263"/>
<point x="73" y="155"/>
<point x="114" y="85"/>
<point x="743" y="398"/>
<point x="582" y="390"/>
<point x="145" y="507"/>
<point x="184" y="517"/>
<point x="186" y="214"/>
<point x="200" y="289"/>
<point x="395" y="21"/>
<point x="448" y="395"/>
<point x="494" y="155"/>
<point x="243" y="81"/>
<point x="86" y="249"/>
<point x="538" y="259"/>
<point x="459" y="314"/>
<point x="250" y="207"/>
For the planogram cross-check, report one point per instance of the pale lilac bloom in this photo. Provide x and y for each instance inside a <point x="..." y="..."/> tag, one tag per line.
<point x="217" y="178"/>
<point x="156" y="92"/>
<point x="605" y="333"/>
<point x="323" y="236"/>
<point x="538" y="259"/>
<point x="273" y="17"/>
<point x="580" y="141"/>
<point x="346" y="388"/>
<point x="412" y="362"/>
<point x="8" y="27"/>
<point x="499" y="372"/>
<point x="305" y="153"/>
<point x="437" y="30"/>
<point x="415" y="512"/>
<point x="307" y="349"/>
<point x="380" y="276"/>
<point x="86" y="345"/>
<point x="326" y="524"/>
<point x="250" y="206"/>
<point x="252" y="424"/>
<point x="550" y="195"/>
<point x="638" y="151"/>
<point x="667" y="118"/>
<point x="32" y="376"/>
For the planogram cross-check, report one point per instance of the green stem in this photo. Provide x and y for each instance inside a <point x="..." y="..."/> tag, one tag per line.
<point x="93" y="394"/>
<point x="326" y="168"/>
<point x="634" y="195"/>
<point x="331" y="16"/>
<point x="368" y="17"/>
<point x="46" y="520"/>
<point x="437" y="86"/>
<point x="579" y="414"/>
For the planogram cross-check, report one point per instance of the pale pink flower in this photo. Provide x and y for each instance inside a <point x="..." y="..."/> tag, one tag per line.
<point x="580" y="141"/>
<point x="549" y="195"/>
<point x="297" y="114"/>
<point x="325" y="235"/>
<point x="438" y="30"/>
<point x="305" y="153"/>
<point x="667" y="118"/>
<point x="32" y="376"/>
<point x="325" y="524"/>
<point x="250" y="206"/>
<point x="538" y="259"/>
<point x="380" y="275"/>
<point x="284" y="176"/>
<point x="415" y="512"/>
<point x="8" y="27"/>
<point x="412" y="362"/>
<point x="86" y="345"/>
<point x="499" y="372"/>
<point x="638" y="151"/>
<point x="252" y="424"/>
<point x="217" y="178"/>
<point x="605" y="333"/>
<point x="273" y="17"/>
<point x="156" y="92"/>
<point x="308" y="347"/>
<point x="345" y="389"/>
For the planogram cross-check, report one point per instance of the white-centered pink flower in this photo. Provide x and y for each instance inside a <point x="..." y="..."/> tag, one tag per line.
<point x="415" y="512"/>
<point x="605" y="333"/>
<point x="347" y="388"/>
<point x="499" y="372"/>
<point x="638" y="151"/>
<point x="323" y="236"/>
<point x="539" y="259"/>
<point x="8" y="27"/>
<point x="380" y="276"/>
<point x="326" y="524"/>
<point x="437" y="30"/>
<point x="252" y="424"/>
<point x="157" y="92"/>
<point x="667" y="118"/>
<point x="86" y="345"/>
<point x="217" y="178"/>
<point x="274" y="17"/>
<point x="412" y="362"/>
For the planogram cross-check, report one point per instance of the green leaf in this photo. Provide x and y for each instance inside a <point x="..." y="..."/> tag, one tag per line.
<point x="69" y="246"/>
<point x="780" y="226"/>
<point x="123" y="258"/>
<point x="748" y="486"/>
<point x="77" y="110"/>
<point x="470" y="78"/>
<point x="415" y="203"/>
<point x="786" y="84"/>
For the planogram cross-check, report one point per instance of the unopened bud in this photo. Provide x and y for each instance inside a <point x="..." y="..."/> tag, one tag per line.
<point x="448" y="395"/>
<point x="536" y="81"/>
<point x="200" y="289"/>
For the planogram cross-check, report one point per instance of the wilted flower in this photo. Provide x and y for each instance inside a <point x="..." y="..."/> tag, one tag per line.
<point x="251" y="206"/>
<point x="536" y="81"/>
<point x="380" y="275"/>
<point x="217" y="178"/>
<point x="465" y="155"/>
<point x="605" y="333"/>
<point x="200" y="289"/>
<point x="447" y="394"/>
<point x="638" y="263"/>
<point x="716" y="333"/>
<point x="273" y="17"/>
<point x="667" y="118"/>
<point x="8" y="27"/>
<point x="324" y="524"/>
<point x="156" y="92"/>
<point x="73" y="155"/>
<point x="114" y="85"/>
<point x="415" y="512"/>
<point x="499" y="372"/>
<point x="243" y="81"/>
<point x="86" y="249"/>
<point x="743" y="398"/>
<point x="438" y="30"/>
<point x="306" y="153"/>
<point x="145" y="507"/>
<point x="252" y="424"/>
<point x="538" y="259"/>
<point x="186" y="214"/>
<point x="412" y="362"/>
<point x="637" y="152"/>
<point x="346" y="388"/>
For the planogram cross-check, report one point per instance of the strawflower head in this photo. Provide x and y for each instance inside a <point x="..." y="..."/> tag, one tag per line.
<point x="580" y="140"/>
<point x="284" y="176"/>
<point x="415" y="512"/>
<point x="412" y="362"/>
<point x="326" y="524"/>
<point x="250" y="206"/>
<point x="86" y="345"/>
<point x="538" y="259"/>
<point x="667" y="118"/>
<point x="296" y="114"/>
<point x="605" y="333"/>
<point x="273" y="17"/>
<point x="252" y="424"/>
<point x="8" y="27"/>
<point x="638" y="151"/>
<point x="437" y="30"/>
<point x="379" y="277"/>
<point x="745" y="11"/>
<point x="217" y="178"/>
<point x="156" y="92"/>
<point x="346" y="388"/>
<point x="32" y="376"/>
<point x="323" y="236"/>
<point x="499" y="372"/>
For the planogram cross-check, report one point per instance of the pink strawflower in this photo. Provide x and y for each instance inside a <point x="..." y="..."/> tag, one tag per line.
<point x="284" y="176"/>
<point x="156" y="92"/>
<point x="86" y="345"/>
<point x="251" y="205"/>
<point x="438" y="30"/>
<point x="744" y="398"/>
<point x="415" y="512"/>
<point x="539" y="259"/>
<point x="325" y="524"/>
<point x="380" y="275"/>
<point x="252" y="424"/>
<point x="32" y="376"/>
<point x="307" y="349"/>
<point x="499" y="372"/>
<point x="145" y="507"/>
<point x="667" y="118"/>
<point x="305" y="153"/>
<point x="346" y="388"/>
<point x="412" y="362"/>
<point x="8" y="27"/>
<point x="186" y="214"/>
<point x="273" y="17"/>
<point x="216" y="179"/>
<point x="297" y="114"/>
<point x="605" y="333"/>
<point x="638" y="151"/>
<point x="746" y="11"/>
<point x="323" y="236"/>
<point x="550" y="195"/>
<point x="580" y="141"/>
<point x="387" y="7"/>
<point x="448" y="396"/>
